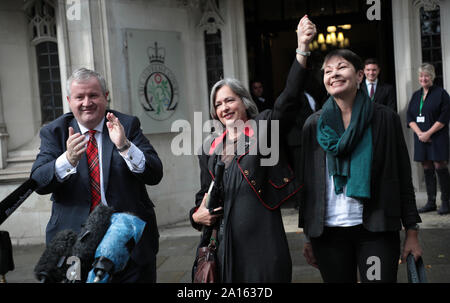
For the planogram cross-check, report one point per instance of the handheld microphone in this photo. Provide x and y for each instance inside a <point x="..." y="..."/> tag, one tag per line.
<point x="52" y="267"/>
<point x="114" y="250"/>
<point x="90" y="236"/>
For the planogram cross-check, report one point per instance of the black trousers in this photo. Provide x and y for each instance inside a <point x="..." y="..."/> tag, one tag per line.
<point x="340" y="251"/>
<point x="134" y="273"/>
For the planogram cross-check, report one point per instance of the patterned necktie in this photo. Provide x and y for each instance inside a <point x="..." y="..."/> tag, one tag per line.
<point x="94" y="169"/>
<point x="372" y="90"/>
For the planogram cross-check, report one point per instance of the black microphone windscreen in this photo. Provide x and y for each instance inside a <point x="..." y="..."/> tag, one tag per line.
<point x="52" y="267"/>
<point x="90" y="236"/>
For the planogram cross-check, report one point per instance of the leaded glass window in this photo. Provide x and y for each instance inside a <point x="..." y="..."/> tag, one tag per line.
<point x="430" y="25"/>
<point x="49" y="81"/>
<point x="214" y="63"/>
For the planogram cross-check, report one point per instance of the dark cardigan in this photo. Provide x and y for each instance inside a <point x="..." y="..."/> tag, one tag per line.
<point x="392" y="201"/>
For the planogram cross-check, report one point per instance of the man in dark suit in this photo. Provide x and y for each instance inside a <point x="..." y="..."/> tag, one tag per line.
<point x="93" y="155"/>
<point x="258" y="95"/>
<point x="382" y="93"/>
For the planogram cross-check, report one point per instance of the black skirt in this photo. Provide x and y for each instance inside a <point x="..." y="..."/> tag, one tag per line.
<point x="254" y="247"/>
<point x="437" y="150"/>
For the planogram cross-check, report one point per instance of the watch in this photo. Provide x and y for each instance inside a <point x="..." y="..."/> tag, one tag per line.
<point x="125" y="147"/>
<point x="413" y="227"/>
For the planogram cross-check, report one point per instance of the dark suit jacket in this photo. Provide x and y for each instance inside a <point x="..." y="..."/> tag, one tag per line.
<point x="125" y="191"/>
<point x="267" y="104"/>
<point x="384" y="94"/>
<point x="392" y="201"/>
<point x="294" y="136"/>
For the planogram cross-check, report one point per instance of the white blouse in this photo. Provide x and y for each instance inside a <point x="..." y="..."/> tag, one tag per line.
<point x="341" y="210"/>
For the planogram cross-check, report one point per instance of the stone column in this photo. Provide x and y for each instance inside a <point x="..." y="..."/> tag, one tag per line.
<point x="3" y="136"/>
<point x="445" y="41"/>
<point x="408" y="56"/>
<point x="235" y="54"/>
<point x="82" y="39"/>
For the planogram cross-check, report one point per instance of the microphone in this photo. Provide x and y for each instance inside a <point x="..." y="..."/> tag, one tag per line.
<point x="114" y="250"/>
<point x="52" y="267"/>
<point x="213" y="200"/>
<point x="91" y="234"/>
<point x="16" y="198"/>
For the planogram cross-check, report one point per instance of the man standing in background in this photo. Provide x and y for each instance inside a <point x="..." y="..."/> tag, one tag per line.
<point x="382" y="93"/>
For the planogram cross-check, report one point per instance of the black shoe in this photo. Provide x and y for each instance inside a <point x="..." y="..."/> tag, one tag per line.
<point x="444" y="209"/>
<point x="444" y="182"/>
<point x="430" y="183"/>
<point x="430" y="206"/>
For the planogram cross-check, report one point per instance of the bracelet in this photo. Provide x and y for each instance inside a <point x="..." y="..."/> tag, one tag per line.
<point x="412" y="227"/>
<point x="306" y="54"/>
<point x="125" y="147"/>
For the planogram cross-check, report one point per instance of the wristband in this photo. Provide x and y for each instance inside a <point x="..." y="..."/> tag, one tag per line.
<point x="412" y="227"/>
<point x="306" y="54"/>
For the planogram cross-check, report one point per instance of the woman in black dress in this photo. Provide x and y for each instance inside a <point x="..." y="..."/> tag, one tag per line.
<point x="428" y="115"/>
<point x="252" y="241"/>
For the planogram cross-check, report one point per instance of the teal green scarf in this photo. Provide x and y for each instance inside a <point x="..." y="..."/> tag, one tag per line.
<point x="349" y="151"/>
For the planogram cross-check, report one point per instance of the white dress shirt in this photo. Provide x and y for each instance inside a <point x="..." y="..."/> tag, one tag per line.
<point x="368" y="85"/>
<point x="134" y="159"/>
<point x="311" y="101"/>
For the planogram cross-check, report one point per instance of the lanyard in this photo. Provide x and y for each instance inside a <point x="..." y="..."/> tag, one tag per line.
<point x="421" y="105"/>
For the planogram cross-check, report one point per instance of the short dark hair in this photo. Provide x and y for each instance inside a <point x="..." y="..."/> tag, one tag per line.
<point x="348" y="55"/>
<point x="371" y="61"/>
<point x="255" y="81"/>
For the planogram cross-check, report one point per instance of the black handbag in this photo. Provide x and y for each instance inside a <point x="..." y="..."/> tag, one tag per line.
<point x="205" y="268"/>
<point x="415" y="270"/>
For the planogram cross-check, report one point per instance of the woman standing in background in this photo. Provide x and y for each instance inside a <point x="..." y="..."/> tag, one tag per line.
<point x="428" y="115"/>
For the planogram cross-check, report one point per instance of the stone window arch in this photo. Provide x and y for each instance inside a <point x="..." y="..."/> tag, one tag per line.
<point x="41" y="20"/>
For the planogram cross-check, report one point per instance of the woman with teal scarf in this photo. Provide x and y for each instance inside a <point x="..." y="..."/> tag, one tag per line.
<point x="357" y="182"/>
